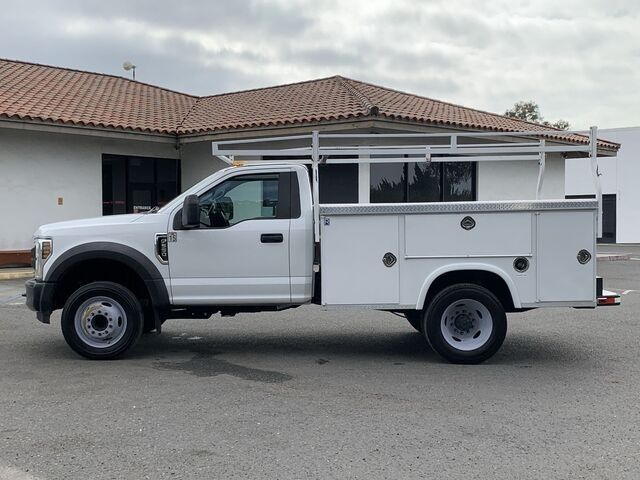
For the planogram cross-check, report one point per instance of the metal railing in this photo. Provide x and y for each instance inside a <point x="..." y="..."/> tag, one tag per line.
<point x="416" y="147"/>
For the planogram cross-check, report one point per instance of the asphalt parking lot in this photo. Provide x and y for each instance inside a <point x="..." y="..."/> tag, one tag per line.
<point x="309" y="393"/>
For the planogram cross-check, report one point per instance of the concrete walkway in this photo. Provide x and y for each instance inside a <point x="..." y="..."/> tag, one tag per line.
<point x="618" y="251"/>
<point x="16" y="273"/>
<point x="613" y="256"/>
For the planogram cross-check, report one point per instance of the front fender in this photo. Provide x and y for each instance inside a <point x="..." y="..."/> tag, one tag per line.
<point x="129" y="256"/>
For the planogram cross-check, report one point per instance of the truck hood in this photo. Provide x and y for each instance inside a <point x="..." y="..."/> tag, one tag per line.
<point x="71" y="225"/>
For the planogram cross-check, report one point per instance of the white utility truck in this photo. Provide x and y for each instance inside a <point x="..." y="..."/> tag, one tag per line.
<point x="254" y="237"/>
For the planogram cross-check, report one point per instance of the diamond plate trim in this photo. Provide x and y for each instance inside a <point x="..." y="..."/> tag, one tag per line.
<point x="456" y="207"/>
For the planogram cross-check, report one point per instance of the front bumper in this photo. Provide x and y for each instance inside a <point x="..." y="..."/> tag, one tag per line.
<point x="40" y="298"/>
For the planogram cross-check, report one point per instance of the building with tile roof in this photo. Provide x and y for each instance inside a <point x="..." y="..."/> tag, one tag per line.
<point x="79" y="144"/>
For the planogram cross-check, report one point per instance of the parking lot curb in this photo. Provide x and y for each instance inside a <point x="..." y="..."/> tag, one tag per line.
<point x="612" y="257"/>
<point x="15" y="273"/>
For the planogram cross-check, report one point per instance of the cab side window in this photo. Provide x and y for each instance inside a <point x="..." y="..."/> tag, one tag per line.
<point x="244" y="197"/>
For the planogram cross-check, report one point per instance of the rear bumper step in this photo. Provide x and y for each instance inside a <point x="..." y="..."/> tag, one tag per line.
<point x="605" y="297"/>
<point x="608" y="298"/>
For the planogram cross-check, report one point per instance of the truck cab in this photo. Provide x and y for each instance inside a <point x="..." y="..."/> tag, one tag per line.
<point x="247" y="246"/>
<point x="252" y="229"/>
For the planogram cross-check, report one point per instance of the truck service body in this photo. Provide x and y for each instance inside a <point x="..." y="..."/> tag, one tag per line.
<point x="254" y="237"/>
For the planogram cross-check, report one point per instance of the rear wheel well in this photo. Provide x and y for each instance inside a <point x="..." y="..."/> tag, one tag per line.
<point x="489" y="280"/>
<point x="94" y="270"/>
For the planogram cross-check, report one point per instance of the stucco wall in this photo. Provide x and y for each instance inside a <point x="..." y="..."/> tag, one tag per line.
<point x="36" y="168"/>
<point x="579" y="180"/>
<point x="518" y="180"/>
<point x="197" y="163"/>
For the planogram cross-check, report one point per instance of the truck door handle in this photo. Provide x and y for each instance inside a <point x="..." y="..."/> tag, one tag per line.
<point x="271" y="238"/>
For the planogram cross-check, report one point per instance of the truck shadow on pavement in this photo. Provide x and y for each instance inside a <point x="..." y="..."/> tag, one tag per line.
<point x="204" y="353"/>
<point x="205" y="364"/>
<point x="291" y="350"/>
<point x="397" y="348"/>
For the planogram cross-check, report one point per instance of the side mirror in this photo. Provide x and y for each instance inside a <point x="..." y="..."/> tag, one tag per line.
<point x="191" y="212"/>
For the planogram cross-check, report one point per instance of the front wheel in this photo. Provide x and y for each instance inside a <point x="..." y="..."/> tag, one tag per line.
<point x="465" y="323"/>
<point x="102" y="320"/>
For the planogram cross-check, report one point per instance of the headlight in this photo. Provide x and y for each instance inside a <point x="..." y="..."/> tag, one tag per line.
<point x="44" y="249"/>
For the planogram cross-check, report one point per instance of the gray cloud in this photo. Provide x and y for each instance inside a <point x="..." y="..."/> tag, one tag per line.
<point x="202" y="15"/>
<point x="577" y="59"/>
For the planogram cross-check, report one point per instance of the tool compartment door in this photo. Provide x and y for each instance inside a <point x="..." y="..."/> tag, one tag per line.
<point x="352" y="270"/>
<point x="561" y="235"/>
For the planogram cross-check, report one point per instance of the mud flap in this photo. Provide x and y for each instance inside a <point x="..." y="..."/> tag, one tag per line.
<point x="158" y="321"/>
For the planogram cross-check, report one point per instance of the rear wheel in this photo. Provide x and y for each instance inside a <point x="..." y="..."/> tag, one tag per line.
<point x="465" y="323"/>
<point x="102" y="320"/>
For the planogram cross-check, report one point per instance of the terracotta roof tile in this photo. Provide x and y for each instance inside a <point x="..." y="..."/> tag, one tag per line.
<point x="399" y="105"/>
<point x="38" y="92"/>
<point x="312" y="101"/>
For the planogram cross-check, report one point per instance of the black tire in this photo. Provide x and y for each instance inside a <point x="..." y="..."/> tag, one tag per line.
<point x="433" y="323"/>
<point x="129" y="324"/>
<point x="414" y="317"/>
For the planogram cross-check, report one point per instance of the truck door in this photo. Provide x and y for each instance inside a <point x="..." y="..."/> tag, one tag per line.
<point x="240" y="252"/>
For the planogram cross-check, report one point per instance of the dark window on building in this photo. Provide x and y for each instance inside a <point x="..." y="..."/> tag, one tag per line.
<point x="421" y="182"/>
<point x="458" y="182"/>
<point x="388" y="183"/>
<point x="609" y="218"/>
<point x="114" y="186"/>
<point x="424" y="182"/>
<point x="338" y="182"/>
<point x="137" y="184"/>
<point x="167" y="180"/>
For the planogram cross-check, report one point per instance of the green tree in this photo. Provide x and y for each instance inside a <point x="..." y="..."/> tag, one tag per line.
<point x="530" y="111"/>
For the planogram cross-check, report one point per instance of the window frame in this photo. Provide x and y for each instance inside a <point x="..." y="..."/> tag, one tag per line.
<point x="288" y="200"/>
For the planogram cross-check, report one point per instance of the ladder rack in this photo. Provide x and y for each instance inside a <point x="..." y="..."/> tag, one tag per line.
<point x="318" y="148"/>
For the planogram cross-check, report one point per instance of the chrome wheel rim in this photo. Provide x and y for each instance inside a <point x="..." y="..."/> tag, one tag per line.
<point x="466" y="324"/>
<point x="100" y="322"/>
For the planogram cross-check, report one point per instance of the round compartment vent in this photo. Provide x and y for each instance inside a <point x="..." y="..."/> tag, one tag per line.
<point x="521" y="264"/>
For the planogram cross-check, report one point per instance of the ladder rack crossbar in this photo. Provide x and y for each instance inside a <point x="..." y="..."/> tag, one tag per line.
<point x="268" y="139"/>
<point x="412" y="150"/>
<point x="464" y="134"/>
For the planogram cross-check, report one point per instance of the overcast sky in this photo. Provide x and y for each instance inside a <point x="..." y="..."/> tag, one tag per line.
<point x="580" y="60"/>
